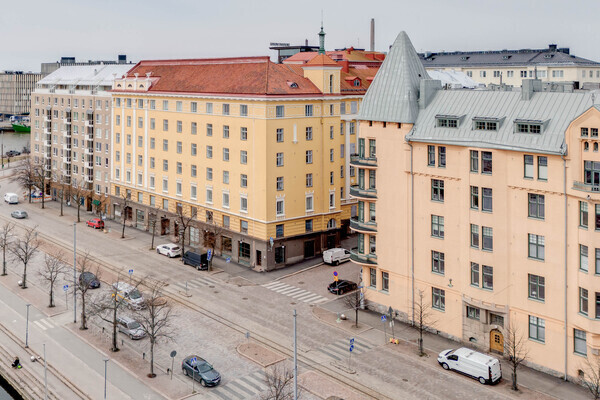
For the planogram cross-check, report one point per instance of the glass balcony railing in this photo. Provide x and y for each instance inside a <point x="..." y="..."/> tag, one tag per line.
<point x="370" y="259"/>
<point x="359" y="161"/>
<point x="362" y="226"/>
<point x="356" y="191"/>
<point x="586" y="187"/>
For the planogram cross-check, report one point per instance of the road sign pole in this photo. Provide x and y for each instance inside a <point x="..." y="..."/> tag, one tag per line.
<point x="383" y="318"/>
<point x="75" y="272"/>
<point x="295" y="359"/>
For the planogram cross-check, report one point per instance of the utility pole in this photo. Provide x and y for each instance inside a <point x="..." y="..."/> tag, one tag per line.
<point x="45" y="375"/>
<point x="27" y="327"/>
<point x="74" y="272"/>
<point x="295" y="359"/>
<point x="105" y="363"/>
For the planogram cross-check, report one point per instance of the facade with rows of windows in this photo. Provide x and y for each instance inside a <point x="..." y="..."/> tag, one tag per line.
<point x="488" y="211"/>
<point x="255" y="151"/>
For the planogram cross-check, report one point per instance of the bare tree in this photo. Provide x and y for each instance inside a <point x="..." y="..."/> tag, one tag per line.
<point x="6" y="234"/>
<point x="211" y="234"/>
<point x="279" y="380"/>
<point x="60" y="186"/>
<point x="155" y="319"/>
<point x="423" y="319"/>
<point x="590" y="378"/>
<point x="83" y="286"/>
<point x="126" y="198"/>
<point x="515" y="348"/>
<point x="78" y="192"/>
<point x="152" y="221"/>
<point x="185" y="220"/>
<point x="99" y="200"/>
<point x="52" y="269"/>
<point x="40" y="179"/>
<point x="352" y="301"/>
<point x="24" y="175"/>
<point x="24" y="248"/>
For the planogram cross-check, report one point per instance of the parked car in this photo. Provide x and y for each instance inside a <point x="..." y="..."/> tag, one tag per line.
<point x="130" y="327"/>
<point x="170" y="250"/>
<point x="200" y="261"/>
<point x="13" y="153"/>
<point x="130" y="295"/>
<point x="200" y="370"/>
<point x="96" y="223"/>
<point x="19" y="214"/>
<point x="342" y="286"/>
<point x="11" y="198"/>
<point x="484" y="368"/>
<point x="335" y="256"/>
<point x="89" y="279"/>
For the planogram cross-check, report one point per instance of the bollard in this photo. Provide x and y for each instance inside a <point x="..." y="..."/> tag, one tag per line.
<point x="143" y="356"/>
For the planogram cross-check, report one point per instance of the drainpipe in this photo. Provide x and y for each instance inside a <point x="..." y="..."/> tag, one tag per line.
<point x="412" y="233"/>
<point x="566" y="285"/>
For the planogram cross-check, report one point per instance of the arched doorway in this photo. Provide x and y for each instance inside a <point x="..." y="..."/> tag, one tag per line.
<point x="496" y="341"/>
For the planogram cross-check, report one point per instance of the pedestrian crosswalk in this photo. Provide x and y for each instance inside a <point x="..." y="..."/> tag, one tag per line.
<point x="246" y="387"/>
<point x="340" y="349"/>
<point x="295" y="292"/>
<point x="197" y="283"/>
<point x="45" y="323"/>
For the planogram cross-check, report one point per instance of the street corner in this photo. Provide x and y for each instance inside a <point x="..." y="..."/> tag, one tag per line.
<point x="337" y="320"/>
<point x="259" y="354"/>
<point x="240" y="281"/>
<point x="326" y="388"/>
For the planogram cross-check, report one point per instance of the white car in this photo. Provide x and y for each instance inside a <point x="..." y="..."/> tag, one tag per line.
<point x="170" y="250"/>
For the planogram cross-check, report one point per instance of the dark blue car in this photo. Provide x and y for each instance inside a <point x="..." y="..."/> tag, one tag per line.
<point x="200" y="370"/>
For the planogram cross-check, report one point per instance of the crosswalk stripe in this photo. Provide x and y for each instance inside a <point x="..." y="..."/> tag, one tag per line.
<point x="277" y="285"/>
<point x="272" y="284"/>
<point x="221" y="395"/>
<point x="332" y="355"/>
<point x="48" y="323"/>
<point x="306" y="295"/>
<point x="291" y="291"/>
<point x="301" y="294"/>
<point x="311" y="299"/>
<point x="239" y="385"/>
<point x="322" y="300"/>
<point x="339" y="346"/>
<point x="247" y="381"/>
<point x="236" y="394"/>
<point x="40" y="325"/>
<point x="282" y="289"/>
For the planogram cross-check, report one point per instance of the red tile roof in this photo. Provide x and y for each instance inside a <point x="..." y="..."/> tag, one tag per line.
<point x="238" y="76"/>
<point x="321" y="60"/>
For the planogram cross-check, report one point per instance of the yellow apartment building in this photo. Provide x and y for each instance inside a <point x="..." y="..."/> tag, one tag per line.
<point x="488" y="203"/>
<point x="257" y="149"/>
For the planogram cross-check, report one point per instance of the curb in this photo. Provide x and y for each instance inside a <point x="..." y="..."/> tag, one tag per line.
<point x="298" y="272"/>
<point x="263" y="365"/>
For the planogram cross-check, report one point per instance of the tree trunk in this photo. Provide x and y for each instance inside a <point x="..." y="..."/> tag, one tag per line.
<point x="123" y="231"/>
<point x="51" y="294"/>
<point x="356" y="316"/>
<point x="152" y="358"/>
<point x="24" y="276"/>
<point x="514" y="380"/>
<point x="83" y="316"/>
<point x="4" y="261"/>
<point x="78" y="208"/>
<point x="114" y="326"/>
<point x="43" y="194"/>
<point x="62" y="196"/>
<point x="30" y="190"/>
<point x="153" y="234"/>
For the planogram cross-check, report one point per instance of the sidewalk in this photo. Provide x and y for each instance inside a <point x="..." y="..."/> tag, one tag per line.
<point x="527" y="377"/>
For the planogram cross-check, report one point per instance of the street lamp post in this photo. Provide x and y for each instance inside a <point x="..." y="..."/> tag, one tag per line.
<point x="295" y="359"/>
<point x="27" y="327"/>
<point x="74" y="272"/>
<point x="105" y="367"/>
<point x="45" y="375"/>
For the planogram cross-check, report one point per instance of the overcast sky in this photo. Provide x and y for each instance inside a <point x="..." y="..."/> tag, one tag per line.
<point x="35" y="31"/>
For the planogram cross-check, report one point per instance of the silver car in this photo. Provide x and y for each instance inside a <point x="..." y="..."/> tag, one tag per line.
<point x="130" y="327"/>
<point x="19" y="214"/>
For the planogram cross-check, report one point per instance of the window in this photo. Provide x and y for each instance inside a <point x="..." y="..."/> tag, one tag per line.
<point x="488" y="238"/>
<point x="152" y="162"/>
<point x="243" y="180"/>
<point x="225" y="131"/>
<point x="579" y="345"/>
<point x="165" y="105"/>
<point x="279" y="112"/>
<point x="279" y="255"/>
<point x="331" y="132"/>
<point x="438" y="299"/>
<point x="331" y="155"/>
<point x="309" y="203"/>
<point x="179" y="168"/>
<point x="165" y="145"/>
<point x="179" y="147"/>
<point x="537" y="329"/>
<point x="486" y="162"/>
<point x="584" y="132"/>
<point x="473" y="312"/>
<point x="209" y="130"/>
<point x="243" y="133"/>
<point x="447" y="122"/>
<point x="193" y="107"/>
<point x="243" y="204"/>
<point x="536" y="247"/>
<point x="194" y="149"/>
<point x="193" y="171"/>
<point x="437" y="190"/>
<point x="179" y="126"/>
<point x="482" y="74"/>
<point x="243" y="110"/>
<point x="597" y="261"/>
<point x="583" y="301"/>
<point x="385" y="281"/>
<point x="209" y="198"/>
<point x="308" y="110"/>
<point x="373" y="148"/>
<point x="528" y="128"/>
<point x="331" y="177"/>
<point x="225" y="154"/>
<point x="597" y="217"/>
<point x="280" y="183"/>
<point x="487" y="277"/>
<point x="536" y="206"/>
<point x="309" y="133"/>
<point x="437" y="226"/>
<point x="165" y="185"/>
<point x="431" y="156"/>
<point x="583" y="258"/>
<point x="209" y="173"/>
<point x="475" y="274"/>
<point x="486" y="205"/>
<point x="441" y="156"/>
<point x="165" y="165"/>
<point x="308" y="225"/>
<point x="309" y="158"/>
<point x="594" y="132"/>
<point x="485" y="126"/>
<point x="209" y="151"/>
<point x="243" y="157"/>
<point x="475" y="197"/>
<point x="279" y="135"/>
<point x="209" y="108"/>
<point x="528" y="166"/>
<point x="331" y="199"/>
<point x="437" y="262"/>
<point x="542" y="168"/>
<point x="165" y="125"/>
<point x="591" y="173"/>
<point x="225" y="109"/>
<point x="152" y="123"/>
<point x="309" y="180"/>
<point x="279" y="160"/>
<point x="279" y="230"/>
<point x="225" y="199"/>
<point x="178" y="188"/>
<point x="537" y="287"/>
<point x="226" y="177"/>
<point x="474" y="161"/>
<point x="474" y="235"/>
<point x="373" y="182"/>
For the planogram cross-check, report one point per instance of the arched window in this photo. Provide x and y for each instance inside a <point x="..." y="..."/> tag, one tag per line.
<point x="586" y="146"/>
<point x="331" y="223"/>
<point x="595" y="146"/>
<point x="330" y="83"/>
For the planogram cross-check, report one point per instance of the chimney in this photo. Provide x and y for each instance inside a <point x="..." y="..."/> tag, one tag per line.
<point x="122" y="58"/>
<point x="306" y="42"/>
<point x="372" y="34"/>
<point x="530" y="86"/>
<point x="552" y="47"/>
<point x="427" y="91"/>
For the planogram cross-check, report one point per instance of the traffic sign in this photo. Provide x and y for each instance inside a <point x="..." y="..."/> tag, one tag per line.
<point x="65" y="287"/>
<point x="351" y="341"/>
<point x="228" y="259"/>
<point x="173" y="353"/>
<point x="209" y="254"/>
<point x="130" y="272"/>
<point x="351" y="348"/>
<point x="193" y="360"/>
<point x="335" y="276"/>
<point x="383" y="318"/>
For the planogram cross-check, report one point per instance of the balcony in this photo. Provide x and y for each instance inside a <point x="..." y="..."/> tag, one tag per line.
<point x="88" y="151"/>
<point x="89" y="137"/>
<point x="360" y="226"/>
<point x="89" y="165"/>
<point x="367" y="259"/>
<point x="66" y="121"/>
<point x="67" y="160"/>
<point x="357" y="161"/>
<point x="47" y="118"/>
<point x="47" y="168"/>
<point x="66" y="146"/>
<point x="47" y="156"/>
<point x="89" y="123"/>
<point x="66" y="172"/>
<point x="47" y="143"/>
<point x="586" y="187"/>
<point x="89" y="179"/>
<point x="67" y="132"/>
<point x="356" y="191"/>
<point x="47" y="131"/>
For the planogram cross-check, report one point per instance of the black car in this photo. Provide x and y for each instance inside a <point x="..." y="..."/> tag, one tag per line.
<point x="88" y="279"/>
<point x="200" y="370"/>
<point x="200" y="261"/>
<point x="13" y="153"/>
<point x="342" y="286"/>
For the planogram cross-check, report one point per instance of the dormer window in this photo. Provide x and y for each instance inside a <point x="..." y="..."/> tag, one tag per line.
<point x="486" y="123"/>
<point x="548" y="55"/>
<point x="447" y="122"/>
<point x="357" y="82"/>
<point x="464" y="58"/>
<point x="506" y="57"/>
<point x="529" y="126"/>
<point x="293" y="85"/>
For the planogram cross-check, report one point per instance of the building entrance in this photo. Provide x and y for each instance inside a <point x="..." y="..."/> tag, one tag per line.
<point x="496" y="341"/>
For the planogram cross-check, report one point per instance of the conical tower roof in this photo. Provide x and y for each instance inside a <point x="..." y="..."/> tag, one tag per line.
<point x="393" y="95"/>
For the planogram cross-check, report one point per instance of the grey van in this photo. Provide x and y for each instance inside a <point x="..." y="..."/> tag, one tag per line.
<point x="200" y="261"/>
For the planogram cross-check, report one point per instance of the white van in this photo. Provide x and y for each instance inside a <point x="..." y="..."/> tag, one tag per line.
<point x="130" y="295"/>
<point x="482" y="367"/>
<point x="11" y="198"/>
<point x="335" y="256"/>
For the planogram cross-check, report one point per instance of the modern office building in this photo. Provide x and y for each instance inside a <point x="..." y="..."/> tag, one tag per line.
<point x="15" y="91"/>
<point x="486" y="202"/>
<point x="510" y="67"/>
<point x="71" y="127"/>
<point x="49" y="67"/>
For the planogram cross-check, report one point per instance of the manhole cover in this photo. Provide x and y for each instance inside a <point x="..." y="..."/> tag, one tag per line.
<point x="211" y="286"/>
<point x="216" y="291"/>
<point x="292" y="303"/>
<point x="244" y="298"/>
<point x="405" y="380"/>
<point x="300" y="283"/>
